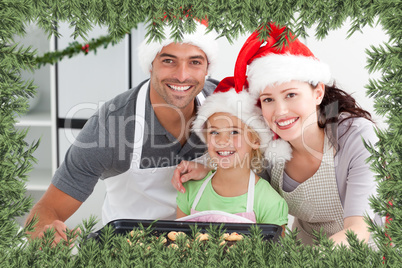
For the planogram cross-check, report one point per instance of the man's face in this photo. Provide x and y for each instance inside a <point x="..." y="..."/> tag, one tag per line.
<point x="178" y="74"/>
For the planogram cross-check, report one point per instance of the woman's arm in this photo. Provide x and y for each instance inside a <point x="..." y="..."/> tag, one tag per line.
<point x="356" y="181"/>
<point x="188" y="170"/>
<point x="355" y="224"/>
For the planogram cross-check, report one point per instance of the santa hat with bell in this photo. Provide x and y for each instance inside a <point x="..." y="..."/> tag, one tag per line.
<point x="268" y="64"/>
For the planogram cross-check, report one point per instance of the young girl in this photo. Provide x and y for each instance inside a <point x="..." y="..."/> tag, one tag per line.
<point x="236" y="137"/>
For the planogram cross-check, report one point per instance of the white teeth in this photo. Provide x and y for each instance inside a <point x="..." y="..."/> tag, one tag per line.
<point x="225" y="153"/>
<point x="177" y="88"/>
<point x="287" y="122"/>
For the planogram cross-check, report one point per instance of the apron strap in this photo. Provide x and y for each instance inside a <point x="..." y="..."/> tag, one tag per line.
<point x="201" y="190"/>
<point x="201" y="98"/>
<point x="250" y="192"/>
<point x="140" y="123"/>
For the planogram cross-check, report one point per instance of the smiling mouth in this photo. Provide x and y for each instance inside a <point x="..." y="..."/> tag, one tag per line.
<point x="287" y="122"/>
<point x="225" y="153"/>
<point x="179" y="88"/>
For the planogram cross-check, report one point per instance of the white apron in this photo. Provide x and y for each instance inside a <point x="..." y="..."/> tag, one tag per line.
<point x="141" y="193"/>
<point x="221" y="216"/>
<point x="315" y="203"/>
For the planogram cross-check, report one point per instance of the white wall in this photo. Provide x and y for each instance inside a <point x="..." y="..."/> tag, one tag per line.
<point x="347" y="59"/>
<point x="86" y="81"/>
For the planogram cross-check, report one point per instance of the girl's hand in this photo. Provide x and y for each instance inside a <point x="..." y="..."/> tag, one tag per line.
<point x="188" y="170"/>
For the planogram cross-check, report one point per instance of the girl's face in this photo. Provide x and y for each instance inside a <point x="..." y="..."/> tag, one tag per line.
<point x="230" y="142"/>
<point x="290" y="109"/>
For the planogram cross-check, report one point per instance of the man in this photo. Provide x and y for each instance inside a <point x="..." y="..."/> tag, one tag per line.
<point x="136" y="140"/>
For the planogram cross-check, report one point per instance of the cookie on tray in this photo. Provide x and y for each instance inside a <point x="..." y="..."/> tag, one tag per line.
<point x="234" y="237"/>
<point x="173" y="235"/>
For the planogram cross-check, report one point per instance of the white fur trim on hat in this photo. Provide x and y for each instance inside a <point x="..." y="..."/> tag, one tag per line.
<point x="205" y="41"/>
<point x="278" y="151"/>
<point x="280" y="68"/>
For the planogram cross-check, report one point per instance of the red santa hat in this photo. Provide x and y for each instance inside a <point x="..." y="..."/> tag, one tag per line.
<point x="227" y="99"/>
<point x="268" y="64"/>
<point x="261" y="63"/>
<point x="201" y="38"/>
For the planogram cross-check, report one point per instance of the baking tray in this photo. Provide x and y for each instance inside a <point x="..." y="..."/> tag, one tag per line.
<point x="124" y="226"/>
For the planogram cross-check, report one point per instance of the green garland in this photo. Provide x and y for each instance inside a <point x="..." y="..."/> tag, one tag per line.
<point x="141" y="249"/>
<point x="75" y="48"/>
<point x="230" y="18"/>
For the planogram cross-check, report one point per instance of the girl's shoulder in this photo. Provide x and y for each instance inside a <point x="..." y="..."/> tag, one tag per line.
<point x="265" y="187"/>
<point x="263" y="183"/>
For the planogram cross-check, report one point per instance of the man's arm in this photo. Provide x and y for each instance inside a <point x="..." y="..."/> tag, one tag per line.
<point x="188" y="170"/>
<point x="52" y="210"/>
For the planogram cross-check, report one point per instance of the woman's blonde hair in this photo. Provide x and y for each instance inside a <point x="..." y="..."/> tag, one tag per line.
<point x="257" y="157"/>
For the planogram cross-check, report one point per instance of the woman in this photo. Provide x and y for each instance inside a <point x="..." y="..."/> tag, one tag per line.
<point x="327" y="182"/>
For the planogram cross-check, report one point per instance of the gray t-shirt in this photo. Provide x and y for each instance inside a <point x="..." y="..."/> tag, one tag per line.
<point x="356" y="182"/>
<point x="104" y="147"/>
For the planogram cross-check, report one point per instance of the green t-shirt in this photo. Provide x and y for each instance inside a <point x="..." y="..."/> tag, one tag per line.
<point x="269" y="206"/>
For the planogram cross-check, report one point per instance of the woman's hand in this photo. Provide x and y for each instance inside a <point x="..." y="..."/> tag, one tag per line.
<point x="188" y="170"/>
<point x="355" y="224"/>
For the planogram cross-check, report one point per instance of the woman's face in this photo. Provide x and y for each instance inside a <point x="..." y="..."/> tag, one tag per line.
<point x="290" y="109"/>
